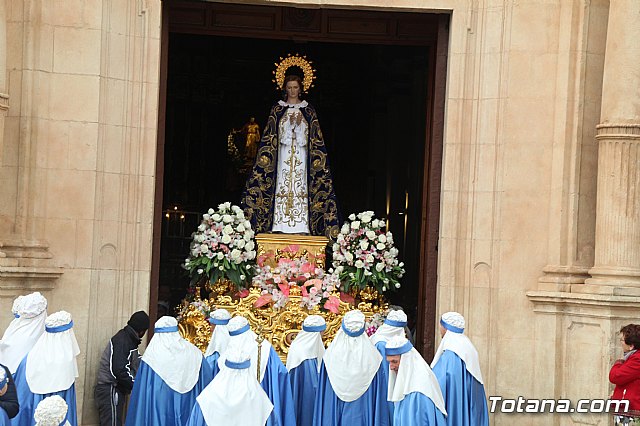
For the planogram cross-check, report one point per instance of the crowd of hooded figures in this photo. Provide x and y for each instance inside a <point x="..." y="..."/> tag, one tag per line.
<point x="358" y="380"/>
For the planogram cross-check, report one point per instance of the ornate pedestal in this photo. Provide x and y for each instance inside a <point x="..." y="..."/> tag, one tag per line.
<point x="292" y="246"/>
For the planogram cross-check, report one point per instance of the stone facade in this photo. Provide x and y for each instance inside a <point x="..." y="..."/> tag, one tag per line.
<point x="539" y="229"/>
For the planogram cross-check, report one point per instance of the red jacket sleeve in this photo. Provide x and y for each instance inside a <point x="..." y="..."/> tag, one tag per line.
<point x="625" y="372"/>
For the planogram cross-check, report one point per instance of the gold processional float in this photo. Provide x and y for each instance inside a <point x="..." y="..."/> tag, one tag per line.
<point x="277" y="280"/>
<point x="278" y="325"/>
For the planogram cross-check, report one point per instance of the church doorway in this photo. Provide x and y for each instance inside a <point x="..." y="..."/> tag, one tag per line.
<point x="376" y="96"/>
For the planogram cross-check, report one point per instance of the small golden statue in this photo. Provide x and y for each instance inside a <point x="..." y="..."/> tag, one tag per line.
<point x="252" y="132"/>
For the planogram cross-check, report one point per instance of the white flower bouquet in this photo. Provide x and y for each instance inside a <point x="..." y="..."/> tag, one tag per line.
<point x="223" y="247"/>
<point x="364" y="254"/>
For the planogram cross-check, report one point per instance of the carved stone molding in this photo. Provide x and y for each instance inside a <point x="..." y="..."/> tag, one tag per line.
<point x="585" y="305"/>
<point x="564" y="275"/>
<point x="4" y="102"/>
<point x="26" y="266"/>
<point x="618" y="131"/>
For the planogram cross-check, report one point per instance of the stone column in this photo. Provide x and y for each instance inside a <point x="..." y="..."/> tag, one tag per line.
<point x="617" y="246"/>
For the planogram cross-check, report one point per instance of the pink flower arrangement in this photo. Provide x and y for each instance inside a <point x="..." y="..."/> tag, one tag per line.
<point x="316" y="286"/>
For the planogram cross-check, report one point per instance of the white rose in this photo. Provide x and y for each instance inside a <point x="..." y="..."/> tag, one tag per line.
<point x="201" y="227"/>
<point x="349" y="257"/>
<point x="235" y="254"/>
<point x="227" y="205"/>
<point x="371" y="235"/>
<point x="228" y="229"/>
<point x="227" y="218"/>
<point x="247" y="224"/>
<point x="355" y="224"/>
<point x="369" y="258"/>
<point x="352" y="216"/>
<point x="379" y="267"/>
<point x="240" y="244"/>
<point x="336" y="247"/>
<point x="249" y="246"/>
<point x="221" y="206"/>
<point x="242" y="277"/>
<point x="375" y="223"/>
<point x="205" y="216"/>
<point x="236" y="209"/>
<point x="345" y="229"/>
<point x="380" y="246"/>
<point x="397" y="285"/>
<point x="220" y="255"/>
<point x="366" y="218"/>
<point x="382" y="238"/>
<point x="240" y="228"/>
<point x="204" y="248"/>
<point x="251" y="255"/>
<point x="339" y="269"/>
<point x="364" y="244"/>
<point x="210" y="211"/>
<point x="359" y="264"/>
<point x="240" y="215"/>
<point x="216" y="217"/>
<point x="226" y="239"/>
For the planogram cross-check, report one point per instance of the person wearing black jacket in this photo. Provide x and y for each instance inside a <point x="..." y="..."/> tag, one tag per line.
<point x="8" y="395"/>
<point x="117" y="370"/>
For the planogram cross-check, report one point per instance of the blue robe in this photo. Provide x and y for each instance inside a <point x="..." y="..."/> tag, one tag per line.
<point x="370" y="409"/>
<point x="304" y="384"/>
<point x="212" y="360"/>
<point x="153" y="402"/>
<point x="278" y="388"/>
<point x="384" y="366"/>
<point x="417" y="409"/>
<point x="29" y="400"/>
<point x="464" y="396"/>
<point x="196" y="418"/>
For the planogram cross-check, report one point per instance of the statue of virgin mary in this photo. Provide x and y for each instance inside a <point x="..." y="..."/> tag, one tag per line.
<point x="290" y="189"/>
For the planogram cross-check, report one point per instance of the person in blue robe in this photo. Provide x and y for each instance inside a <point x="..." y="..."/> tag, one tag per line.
<point x="233" y="398"/>
<point x="9" y="405"/>
<point x="303" y="363"/>
<point x="171" y="375"/>
<point x="351" y="383"/>
<point x="219" y="338"/>
<point x="393" y="326"/>
<point x="413" y="388"/>
<point x="273" y="375"/>
<point x="259" y="197"/>
<point x="457" y="367"/>
<point x="40" y="375"/>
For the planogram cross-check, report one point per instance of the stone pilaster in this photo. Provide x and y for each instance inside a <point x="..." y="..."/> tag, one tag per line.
<point x="617" y="248"/>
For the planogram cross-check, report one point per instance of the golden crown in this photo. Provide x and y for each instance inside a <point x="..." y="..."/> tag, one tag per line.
<point x="294" y="61"/>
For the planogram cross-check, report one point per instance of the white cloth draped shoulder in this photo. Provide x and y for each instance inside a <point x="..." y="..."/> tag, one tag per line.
<point x="234" y="398"/>
<point x="414" y="375"/>
<point x="220" y="335"/>
<point x="21" y="335"/>
<point x="24" y="330"/>
<point x="461" y="346"/>
<point x="173" y="358"/>
<point x="387" y="331"/>
<point x="351" y="362"/>
<point x="307" y="345"/>
<point x="246" y="343"/>
<point x="51" y="364"/>
<point x="291" y="207"/>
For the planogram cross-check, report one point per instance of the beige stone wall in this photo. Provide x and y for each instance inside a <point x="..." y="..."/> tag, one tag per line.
<point x="77" y="162"/>
<point x="517" y="233"/>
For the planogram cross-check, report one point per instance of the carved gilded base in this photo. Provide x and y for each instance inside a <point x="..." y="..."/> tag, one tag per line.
<point x="278" y="244"/>
<point x="279" y="326"/>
